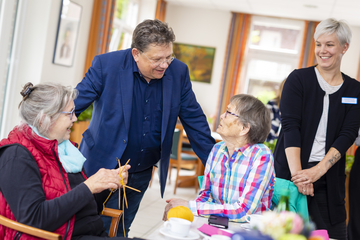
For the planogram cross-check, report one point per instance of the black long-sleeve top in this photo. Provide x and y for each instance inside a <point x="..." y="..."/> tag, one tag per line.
<point x="21" y="185"/>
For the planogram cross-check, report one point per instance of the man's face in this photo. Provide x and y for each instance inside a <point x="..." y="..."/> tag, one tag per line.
<point x="153" y="62"/>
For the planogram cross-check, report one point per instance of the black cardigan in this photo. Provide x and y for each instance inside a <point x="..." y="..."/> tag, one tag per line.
<point x="301" y="108"/>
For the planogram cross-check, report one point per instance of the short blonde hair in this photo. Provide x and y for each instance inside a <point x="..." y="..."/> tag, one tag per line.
<point x="331" y="25"/>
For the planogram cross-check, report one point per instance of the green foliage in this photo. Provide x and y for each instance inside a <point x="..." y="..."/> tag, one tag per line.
<point x="349" y="163"/>
<point x="121" y="8"/>
<point x="271" y="144"/>
<point x="86" y="115"/>
<point x="265" y="96"/>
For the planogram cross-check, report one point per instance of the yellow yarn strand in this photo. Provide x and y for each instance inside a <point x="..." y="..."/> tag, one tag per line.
<point x="124" y="198"/>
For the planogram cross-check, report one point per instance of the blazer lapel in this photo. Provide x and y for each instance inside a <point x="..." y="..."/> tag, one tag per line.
<point x="127" y="89"/>
<point x="166" y="86"/>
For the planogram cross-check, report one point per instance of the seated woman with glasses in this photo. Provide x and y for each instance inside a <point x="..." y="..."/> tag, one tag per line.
<point x="41" y="179"/>
<point x="239" y="173"/>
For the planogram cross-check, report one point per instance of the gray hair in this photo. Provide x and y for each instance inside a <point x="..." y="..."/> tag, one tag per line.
<point x="331" y="25"/>
<point x="42" y="104"/>
<point x="151" y="32"/>
<point x="253" y="114"/>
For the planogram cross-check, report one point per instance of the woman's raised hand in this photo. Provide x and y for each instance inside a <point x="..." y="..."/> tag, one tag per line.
<point x="106" y="179"/>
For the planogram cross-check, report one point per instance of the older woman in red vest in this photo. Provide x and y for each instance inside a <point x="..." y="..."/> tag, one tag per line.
<point x="41" y="178"/>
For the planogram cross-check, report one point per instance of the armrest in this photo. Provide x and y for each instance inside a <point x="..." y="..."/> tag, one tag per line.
<point x="29" y="230"/>
<point x="115" y="214"/>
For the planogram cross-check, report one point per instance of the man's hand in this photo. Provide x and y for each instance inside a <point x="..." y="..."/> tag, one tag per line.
<point x="173" y="202"/>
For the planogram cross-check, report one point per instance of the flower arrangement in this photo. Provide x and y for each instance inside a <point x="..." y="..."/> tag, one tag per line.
<point x="283" y="226"/>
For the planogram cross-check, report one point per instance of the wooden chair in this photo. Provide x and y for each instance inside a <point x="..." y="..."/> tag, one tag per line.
<point x="114" y="213"/>
<point x="180" y="159"/>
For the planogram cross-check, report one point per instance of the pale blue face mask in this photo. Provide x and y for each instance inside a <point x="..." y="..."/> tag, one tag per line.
<point x="70" y="157"/>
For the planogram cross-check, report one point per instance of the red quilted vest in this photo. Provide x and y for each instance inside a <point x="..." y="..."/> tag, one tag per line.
<point x="43" y="151"/>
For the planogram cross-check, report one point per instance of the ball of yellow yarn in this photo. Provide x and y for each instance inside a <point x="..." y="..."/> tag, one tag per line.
<point x="180" y="212"/>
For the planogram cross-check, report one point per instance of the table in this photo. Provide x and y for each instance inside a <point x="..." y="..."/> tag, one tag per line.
<point x="198" y="222"/>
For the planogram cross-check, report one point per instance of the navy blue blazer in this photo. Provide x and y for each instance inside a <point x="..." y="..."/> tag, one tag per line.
<point x="109" y="84"/>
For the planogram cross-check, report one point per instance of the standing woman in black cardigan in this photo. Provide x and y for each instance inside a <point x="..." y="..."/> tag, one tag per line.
<point x="320" y="119"/>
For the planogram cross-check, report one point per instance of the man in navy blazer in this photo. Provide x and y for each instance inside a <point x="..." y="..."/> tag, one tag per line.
<point x="138" y="94"/>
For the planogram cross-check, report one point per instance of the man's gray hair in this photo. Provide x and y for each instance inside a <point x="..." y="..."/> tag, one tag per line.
<point x="42" y="104"/>
<point x="151" y="32"/>
<point x="254" y="114"/>
<point x="331" y="25"/>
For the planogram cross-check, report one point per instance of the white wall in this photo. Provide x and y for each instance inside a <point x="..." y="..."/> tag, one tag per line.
<point x="62" y="74"/>
<point x="206" y="28"/>
<point x="147" y="10"/>
<point x="350" y="61"/>
<point x="35" y="35"/>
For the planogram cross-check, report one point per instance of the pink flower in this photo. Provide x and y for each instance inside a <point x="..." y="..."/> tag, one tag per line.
<point x="297" y="225"/>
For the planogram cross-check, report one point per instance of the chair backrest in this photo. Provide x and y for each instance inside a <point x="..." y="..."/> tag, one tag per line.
<point x="177" y="142"/>
<point x="200" y="180"/>
<point x="29" y="230"/>
<point x="297" y="201"/>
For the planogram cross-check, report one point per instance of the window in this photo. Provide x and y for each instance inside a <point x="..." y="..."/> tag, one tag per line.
<point x="8" y="16"/>
<point x="273" y="52"/>
<point x="125" y="20"/>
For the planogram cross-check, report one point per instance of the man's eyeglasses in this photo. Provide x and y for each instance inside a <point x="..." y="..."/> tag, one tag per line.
<point x="228" y="112"/>
<point x="161" y="61"/>
<point x="71" y="113"/>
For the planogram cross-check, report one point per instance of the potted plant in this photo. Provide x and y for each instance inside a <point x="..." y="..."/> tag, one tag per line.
<point x="81" y="125"/>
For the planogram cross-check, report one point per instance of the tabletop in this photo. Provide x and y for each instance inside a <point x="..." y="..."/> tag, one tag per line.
<point x="198" y="222"/>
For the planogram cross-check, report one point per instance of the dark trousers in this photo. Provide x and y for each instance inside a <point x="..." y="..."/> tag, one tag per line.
<point x="319" y="211"/>
<point x="139" y="181"/>
<point x="354" y="199"/>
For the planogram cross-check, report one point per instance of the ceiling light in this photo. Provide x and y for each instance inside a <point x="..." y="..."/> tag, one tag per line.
<point x="310" y="6"/>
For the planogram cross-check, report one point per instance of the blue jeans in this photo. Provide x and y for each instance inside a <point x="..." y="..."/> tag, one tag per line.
<point x="140" y="181"/>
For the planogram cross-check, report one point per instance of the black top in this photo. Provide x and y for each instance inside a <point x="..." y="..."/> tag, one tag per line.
<point x="143" y="145"/>
<point x="301" y="108"/>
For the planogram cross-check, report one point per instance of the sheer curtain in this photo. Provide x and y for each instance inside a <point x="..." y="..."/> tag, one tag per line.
<point x="8" y="18"/>
<point x="307" y="57"/>
<point x="100" y="30"/>
<point x="160" y="10"/>
<point x="234" y="58"/>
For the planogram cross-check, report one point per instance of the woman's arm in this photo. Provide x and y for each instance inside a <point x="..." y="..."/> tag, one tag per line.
<point x="291" y="108"/>
<point x="293" y="159"/>
<point x="291" y="118"/>
<point x="311" y="175"/>
<point x="204" y="193"/>
<point x="294" y="162"/>
<point x="257" y="182"/>
<point x="21" y="185"/>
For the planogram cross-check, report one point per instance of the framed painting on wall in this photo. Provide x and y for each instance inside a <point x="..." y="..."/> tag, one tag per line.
<point x="199" y="60"/>
<point x="67" y="33"/>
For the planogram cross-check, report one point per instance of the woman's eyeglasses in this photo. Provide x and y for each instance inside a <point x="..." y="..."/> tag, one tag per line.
<point x="228" y="112"/>
<point x="71" y="113"/>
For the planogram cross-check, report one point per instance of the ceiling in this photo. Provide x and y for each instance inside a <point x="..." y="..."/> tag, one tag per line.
<point x="315" y="10"/>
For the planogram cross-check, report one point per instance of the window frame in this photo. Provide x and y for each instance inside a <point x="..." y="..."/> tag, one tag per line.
<point x="280" y="55"/>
